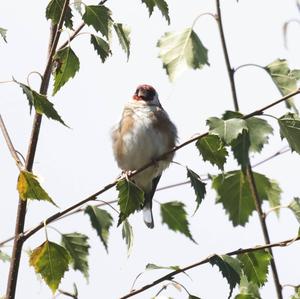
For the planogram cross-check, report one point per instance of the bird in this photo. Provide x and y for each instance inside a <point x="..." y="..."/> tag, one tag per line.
<point x="143" y="134"/>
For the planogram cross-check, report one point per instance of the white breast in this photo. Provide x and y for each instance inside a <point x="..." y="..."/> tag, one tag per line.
<point x="143" y="143"/>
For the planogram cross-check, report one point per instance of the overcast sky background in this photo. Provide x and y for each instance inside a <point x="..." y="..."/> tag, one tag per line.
<point x="77" y="162"/>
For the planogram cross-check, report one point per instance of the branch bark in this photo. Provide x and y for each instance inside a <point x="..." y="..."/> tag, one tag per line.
<point x="171" y="275"/>
<point x="21" y="212"/>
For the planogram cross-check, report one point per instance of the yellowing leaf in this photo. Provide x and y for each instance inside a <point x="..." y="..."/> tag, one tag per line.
<point x="180" y="51"/>
<point x="30" y="188"/>
<point x="51" y="261"/>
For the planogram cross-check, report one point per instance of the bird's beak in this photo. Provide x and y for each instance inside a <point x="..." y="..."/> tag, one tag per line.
<point x="136" y="97"/>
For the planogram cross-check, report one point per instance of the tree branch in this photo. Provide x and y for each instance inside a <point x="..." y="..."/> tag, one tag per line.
<point x="21" y="212"/>
<point x="9" y="144"/>
<point x="80" y="209"/>
<point x="226" y="56"/>
<point x="249" y="172"/>
<point x="171" y="275"/>
<point x="52" y="218"/>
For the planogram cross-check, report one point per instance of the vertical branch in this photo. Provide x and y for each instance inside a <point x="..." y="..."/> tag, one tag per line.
<point x="249" y="172"/>
<point x="21" y="211"/>
<point x="230" y="70"/>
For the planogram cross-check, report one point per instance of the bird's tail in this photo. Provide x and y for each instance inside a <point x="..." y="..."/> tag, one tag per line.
<point x="147" y="214"/>
<point x="147" y="209"/>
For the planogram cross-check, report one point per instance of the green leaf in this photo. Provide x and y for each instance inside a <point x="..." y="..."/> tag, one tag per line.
<point x="180" y="51"/>
<point x="51" y="261"/>
<point x="175" y="216"/>
<point x="294" y="206"/>
<point x="290" y="129"/>
<point x="98" y="16"/>
<point x="53" y="12"/>
<point x="259" y="131"/>
<point x="3" y="33"/>
<point x="156" y="267"/>
<point x="40" y="103"/>
<point x="78" y="248"/>
<point x="240" y="148"/>
<point x="67" y="64"/>
<point x="101" y="221"/>
<point x="123" y="33"/>
<point x="297" y="293"/>
<point x="127" y="235"/>
<point x="193" y="297"/>
<point x="198" y="186"/>
<point x="130" y="199"/>
<point x="284" y="78"/>
<point x="230" y="269"/>
<point x="162" y="5"/>
<point x="255" y="266"/>
<point x="29" y="187"/>
<point x="234" y="193"/>
<point x="101" y="46"/>
<point x="212" y="149"/>
<point x="227" y="130"/>
<point x="4" y="257"/>
<point x="248" y="290"/>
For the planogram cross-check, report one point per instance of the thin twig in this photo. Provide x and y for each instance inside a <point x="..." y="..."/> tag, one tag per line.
<point x="8" y="141"/>
<point x="104" y="203"/>
<point x="226" y="56"/>
<point x="21" y="212"/>
<point x="170" y="275"/>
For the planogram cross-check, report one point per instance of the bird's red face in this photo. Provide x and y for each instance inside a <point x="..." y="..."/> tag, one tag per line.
<point x="145" y="93"/>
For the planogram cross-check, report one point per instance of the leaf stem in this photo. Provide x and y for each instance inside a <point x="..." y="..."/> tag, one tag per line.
<point x="248" y="65"/>
<point x="21" y="211"/>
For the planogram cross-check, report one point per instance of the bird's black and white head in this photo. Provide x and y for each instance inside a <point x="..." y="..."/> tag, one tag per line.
<point x="147" y="94"/>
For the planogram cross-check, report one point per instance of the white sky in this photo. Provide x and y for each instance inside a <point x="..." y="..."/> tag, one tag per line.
<point x="77" y="162"/>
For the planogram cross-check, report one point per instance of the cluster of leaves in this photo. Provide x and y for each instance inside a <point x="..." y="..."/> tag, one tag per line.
<point x="52" y="260"/>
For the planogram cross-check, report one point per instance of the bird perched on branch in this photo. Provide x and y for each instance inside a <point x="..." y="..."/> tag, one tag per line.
<point x="143" y="134"/>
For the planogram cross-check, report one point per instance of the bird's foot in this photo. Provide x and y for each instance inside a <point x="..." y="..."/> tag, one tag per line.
<point x="126" y="174"/>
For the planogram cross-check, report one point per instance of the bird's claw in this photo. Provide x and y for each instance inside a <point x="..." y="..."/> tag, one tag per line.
<point x="126" y="174"/>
